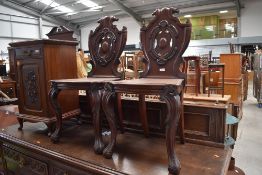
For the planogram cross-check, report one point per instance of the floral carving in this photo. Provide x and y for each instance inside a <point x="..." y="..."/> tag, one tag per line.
<point x="31" y="86"/>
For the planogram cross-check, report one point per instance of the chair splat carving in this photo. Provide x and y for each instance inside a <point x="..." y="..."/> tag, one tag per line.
<point x="164" y="41"/>
<point x="106" y="44"/>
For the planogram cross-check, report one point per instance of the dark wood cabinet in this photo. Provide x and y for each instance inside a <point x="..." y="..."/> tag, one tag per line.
<point x="35" y="63"/>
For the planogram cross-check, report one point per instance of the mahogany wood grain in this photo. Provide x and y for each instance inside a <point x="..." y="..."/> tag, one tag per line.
<point x="74" y="155"/>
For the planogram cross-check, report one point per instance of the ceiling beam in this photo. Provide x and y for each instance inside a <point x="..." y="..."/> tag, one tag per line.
<point x="47" y="6"/>
<point x="28" y="2"/>
<point x="118" y="15"/>
<point x="29" y="11"/>
<point x="238" y="6"/>
<point x="64" y="4"/>
<point x="95" y="16"/>
<point x="127" y="10"/>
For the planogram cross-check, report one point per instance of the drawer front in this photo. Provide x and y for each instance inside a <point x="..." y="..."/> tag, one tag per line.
<point x="28" y="52"/>
<point x="62" y="169"/>
<point x="20" y="164"/>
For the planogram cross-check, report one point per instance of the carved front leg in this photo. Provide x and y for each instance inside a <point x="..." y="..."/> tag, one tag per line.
<point x="110" y="116"/>
<point x="181" y="121"/>
<point x="171" y="96"/>
<point x="21" y="123"/>
<point x="53" y="94"/>
<point x="95" y="101"/>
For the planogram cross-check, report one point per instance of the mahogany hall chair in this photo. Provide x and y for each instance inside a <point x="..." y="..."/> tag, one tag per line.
<point x="163" y="42"/>
<point x="106" y="44"/>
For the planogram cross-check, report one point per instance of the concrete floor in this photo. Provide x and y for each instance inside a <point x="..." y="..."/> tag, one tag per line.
<point x="248" y="148"/>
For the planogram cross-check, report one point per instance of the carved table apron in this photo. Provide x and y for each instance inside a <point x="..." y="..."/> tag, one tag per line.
<point x="93" y="86"/>
<point x="169" y="90"/>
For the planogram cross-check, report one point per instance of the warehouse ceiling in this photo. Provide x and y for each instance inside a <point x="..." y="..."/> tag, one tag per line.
<point x="79" y="13"/>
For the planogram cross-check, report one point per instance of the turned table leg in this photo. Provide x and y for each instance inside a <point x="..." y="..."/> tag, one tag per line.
<point x="95" y="99"/>
<point x="110" y="115"/>
<point x="53" y="94"/>
<point x="171" y="96"/>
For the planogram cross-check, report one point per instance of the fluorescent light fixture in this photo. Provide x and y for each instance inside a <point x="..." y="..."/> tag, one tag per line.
<point x="88" y="3"/>
<point x="56" y="5"/>
<point x="64" y="9"/>
<point x="223" y="11"/>
<point x="188" y="16"/>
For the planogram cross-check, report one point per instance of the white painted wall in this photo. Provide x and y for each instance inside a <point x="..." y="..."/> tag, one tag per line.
<point x="18" y="26"/>
<point x="133" y="31"/>
<point x="250" y="20"/>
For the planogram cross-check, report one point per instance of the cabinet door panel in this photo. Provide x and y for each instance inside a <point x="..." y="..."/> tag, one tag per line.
<point x="20" y="164"/>
<point x="31" y="83"/>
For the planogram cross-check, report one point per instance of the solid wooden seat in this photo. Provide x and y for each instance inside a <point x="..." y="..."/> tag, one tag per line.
<point x="106" y="44"/>
<point x="163" y="42"/>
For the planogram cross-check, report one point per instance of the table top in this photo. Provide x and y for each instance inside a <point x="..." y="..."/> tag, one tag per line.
<point x="150" y="82"/>
<point x="134" y="154"/>
<point x="85" y="80"/>
<point x="204" y="97"/>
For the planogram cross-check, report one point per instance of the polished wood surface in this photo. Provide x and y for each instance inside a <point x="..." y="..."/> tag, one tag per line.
<point x="74" y="155"/>
<point x="163" y="41"/>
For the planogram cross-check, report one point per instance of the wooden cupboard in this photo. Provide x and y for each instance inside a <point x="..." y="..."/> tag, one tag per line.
<point x="233" y="79"/>
<point x="35" y="63"/>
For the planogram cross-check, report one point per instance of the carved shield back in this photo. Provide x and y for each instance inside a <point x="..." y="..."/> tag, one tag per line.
<point x="163" y="42"/>
<point x="106" y="44"/>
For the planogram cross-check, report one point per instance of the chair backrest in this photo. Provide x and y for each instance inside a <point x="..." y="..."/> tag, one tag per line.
<point x="106" y="44"/>
<point x="163" y="42"/>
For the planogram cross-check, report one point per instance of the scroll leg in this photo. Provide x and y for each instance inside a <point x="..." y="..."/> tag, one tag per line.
<point x="21" y="123"/>
<point x="53" y="94"/>
<point x="181" y="122"/>
<point x="173" y="113"/>
<point x="95" y="98"/>
<point x="110" y="116"/>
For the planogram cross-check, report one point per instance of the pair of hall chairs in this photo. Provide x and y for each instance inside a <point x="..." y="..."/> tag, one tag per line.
<point x="163" y="42"/>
